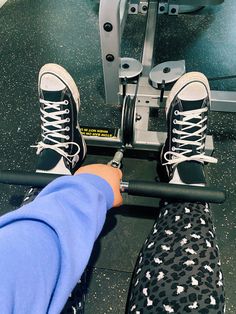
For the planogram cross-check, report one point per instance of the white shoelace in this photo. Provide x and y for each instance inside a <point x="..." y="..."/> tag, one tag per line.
<point x="54" y="120"/>
<point x="178" y="154"/>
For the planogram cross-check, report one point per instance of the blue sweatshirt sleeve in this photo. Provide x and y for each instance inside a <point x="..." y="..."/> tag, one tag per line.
<point x="45" y="246"/>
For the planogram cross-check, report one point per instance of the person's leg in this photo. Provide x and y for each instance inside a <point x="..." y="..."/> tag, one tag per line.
<point x="76" y="302"/>
<point x="62" y="148"/>
<point x="46" y="245"/>
<point x="178" y="270"/>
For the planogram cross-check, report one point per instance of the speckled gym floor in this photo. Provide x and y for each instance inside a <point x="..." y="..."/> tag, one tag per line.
<point x="33" y="33"/>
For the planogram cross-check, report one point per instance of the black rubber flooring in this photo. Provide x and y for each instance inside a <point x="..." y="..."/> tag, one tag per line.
<point x="33" y="33"/>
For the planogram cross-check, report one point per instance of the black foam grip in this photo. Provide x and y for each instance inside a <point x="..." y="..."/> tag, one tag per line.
<point x="139" y="188"/>
<point x="176" y="192"/>
<point x="37" y="180"/>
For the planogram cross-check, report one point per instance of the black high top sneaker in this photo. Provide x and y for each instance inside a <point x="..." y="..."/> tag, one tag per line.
<point x="183" y="153"/>
<point x="62" y="148"/>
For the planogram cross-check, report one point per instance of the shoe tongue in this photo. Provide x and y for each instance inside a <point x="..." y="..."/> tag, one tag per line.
<point x="191" y="105"/>
<point x="48" y="159"/>
<point x="191" y="172"/>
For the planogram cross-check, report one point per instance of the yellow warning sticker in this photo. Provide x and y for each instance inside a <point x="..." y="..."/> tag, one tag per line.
<point x="99" y="132"/>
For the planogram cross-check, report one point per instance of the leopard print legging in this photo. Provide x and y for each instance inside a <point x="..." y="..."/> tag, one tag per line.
<point x="178" y="269"/>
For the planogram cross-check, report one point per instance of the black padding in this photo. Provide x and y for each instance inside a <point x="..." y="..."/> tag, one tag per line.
<point x="176" y="192"/>
<point x="139" y="188"/>
<point x="37" y="180"/>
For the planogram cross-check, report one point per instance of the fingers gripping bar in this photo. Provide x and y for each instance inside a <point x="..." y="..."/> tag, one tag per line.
<point x="139" y="188"/>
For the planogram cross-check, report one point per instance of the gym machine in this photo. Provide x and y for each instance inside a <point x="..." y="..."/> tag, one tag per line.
<point x="138" y="87"/>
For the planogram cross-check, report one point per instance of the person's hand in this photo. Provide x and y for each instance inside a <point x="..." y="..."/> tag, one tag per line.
<point x="112" y="175"/>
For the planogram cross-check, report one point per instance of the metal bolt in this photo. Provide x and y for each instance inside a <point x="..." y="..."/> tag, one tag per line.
<point x="138" y="117"/>
<point x="125" y="66"/>
<point x="173" y="11"/>
<point x="144" y="8"/>
<point x="133" y="9"/>
<point x="110" y="58"/>
<point x="162" y="8"/>
<point x="108" y="27"/>
<point x="166" y="70"/>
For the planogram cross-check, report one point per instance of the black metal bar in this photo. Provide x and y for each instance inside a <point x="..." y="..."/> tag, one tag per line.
<point x="139" y="188"/>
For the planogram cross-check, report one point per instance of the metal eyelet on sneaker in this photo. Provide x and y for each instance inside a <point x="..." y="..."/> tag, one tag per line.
<point x="174" y="130"/>
<point x="67" y="119"/>
<point x="174" y="139"/>
<point x="66" y="102"/>
<point x="175" y="121"/>
<point x="67" y="128"/>
<point x="176" y="112"/>
<point x="67" y="137"/>
<point x="173" y="148"/>
<point x="67" y="111"/>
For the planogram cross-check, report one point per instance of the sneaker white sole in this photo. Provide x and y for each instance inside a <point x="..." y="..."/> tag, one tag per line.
<point x="186" y="79"/>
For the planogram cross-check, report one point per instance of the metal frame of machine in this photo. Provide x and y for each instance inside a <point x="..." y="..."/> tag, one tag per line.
<point x="137" y="97"/>
<point x="112" y="18"/>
